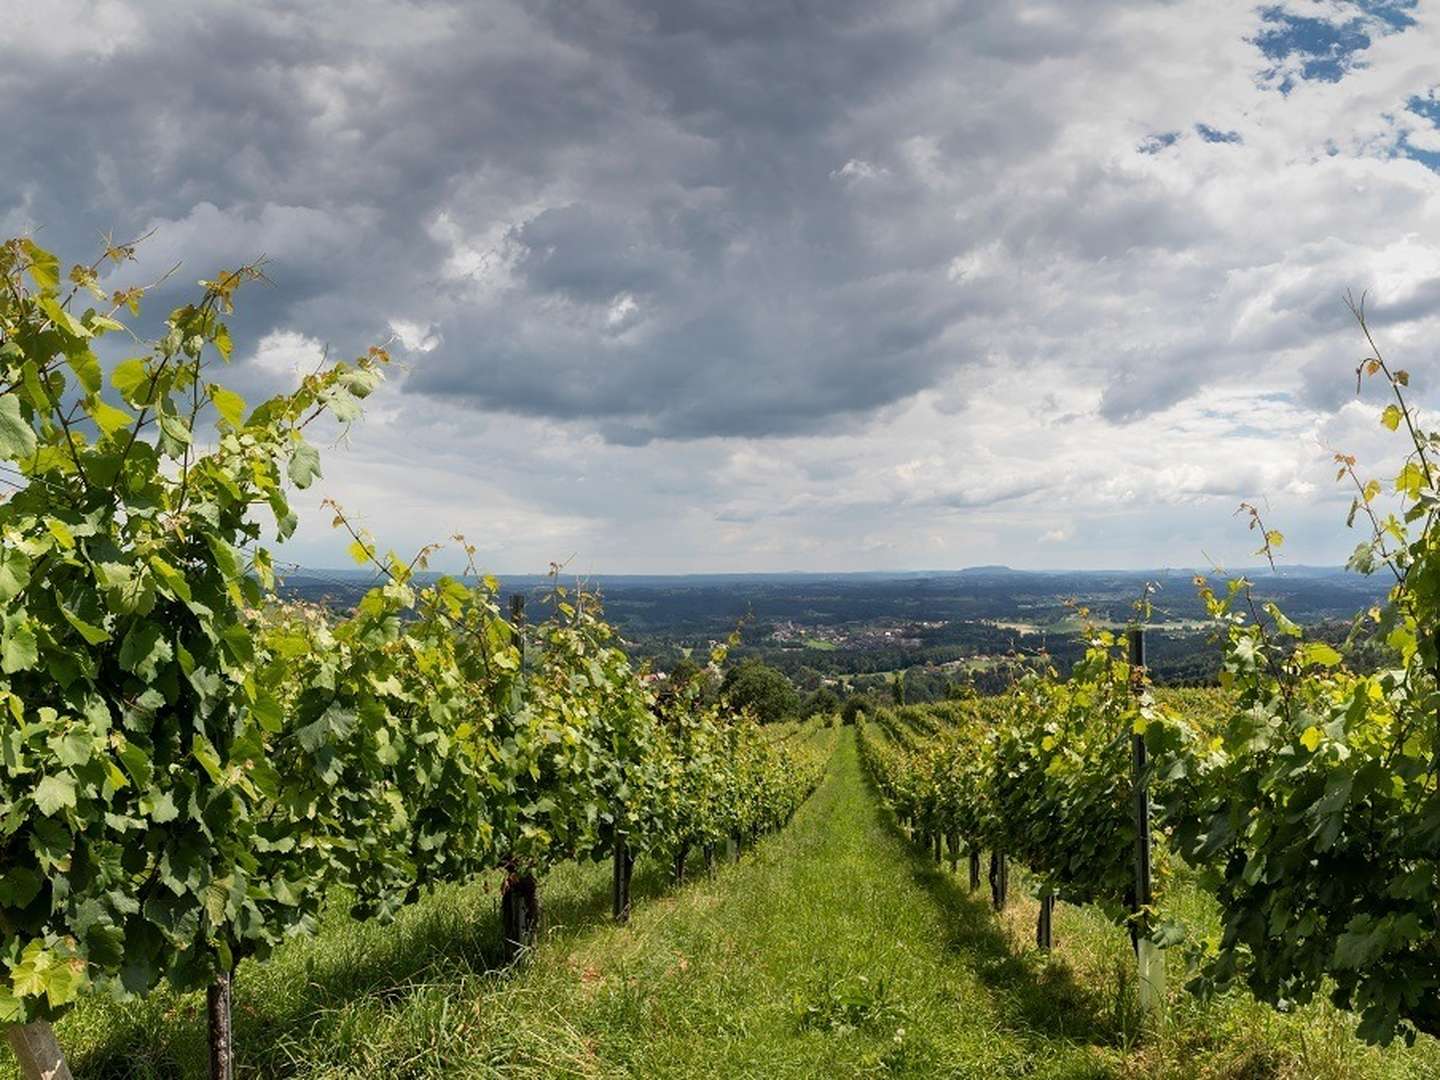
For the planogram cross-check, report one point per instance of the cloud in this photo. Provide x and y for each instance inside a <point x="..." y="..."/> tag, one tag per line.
<point x="288" y="353"/>
<point x="840" y="277"/>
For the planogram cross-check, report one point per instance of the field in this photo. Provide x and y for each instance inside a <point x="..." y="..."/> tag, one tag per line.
<point x="429" y="833"/>
<point x="835" y="948"/>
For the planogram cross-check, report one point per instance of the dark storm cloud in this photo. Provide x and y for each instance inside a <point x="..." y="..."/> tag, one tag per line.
<point x="664" y="219"/>
<point x="705" y="216"/>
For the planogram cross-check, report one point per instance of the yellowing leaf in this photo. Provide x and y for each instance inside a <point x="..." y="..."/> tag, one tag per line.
<point x="61" y="532"/>
<point x="130" y="378"/>
<point x="44" y="268"/>
<point x="1391" y="417"/>
<point x="107" y="417"/>
<point x="1311" y="738"/>
<point x="230" y="405"/>
<point x="1410" y="480"/>
<point x="63" y="320"/>
<point x="1317" y="652"/>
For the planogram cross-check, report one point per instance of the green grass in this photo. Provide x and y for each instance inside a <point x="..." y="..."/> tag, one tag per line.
<point x="833" y="948"/>
<point x="820" y="646"/>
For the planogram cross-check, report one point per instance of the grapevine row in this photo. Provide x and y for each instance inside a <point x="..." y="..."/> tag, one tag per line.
<point x="1304" y="796"/>
<point x="191" y="766"/>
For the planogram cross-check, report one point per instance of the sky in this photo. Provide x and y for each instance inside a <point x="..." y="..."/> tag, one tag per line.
<point x="755" y="285"/>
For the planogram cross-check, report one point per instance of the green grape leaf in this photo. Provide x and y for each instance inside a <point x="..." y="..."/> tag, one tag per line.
<point x="304" y="465"/>
<point x="17" y="438"/>
<point x="54" y="793"/>
<point x="131" y="378"/>
<point x="14" y="573"/>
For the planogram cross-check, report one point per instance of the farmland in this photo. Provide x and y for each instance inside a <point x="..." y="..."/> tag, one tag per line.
<point x="432" y="825"/>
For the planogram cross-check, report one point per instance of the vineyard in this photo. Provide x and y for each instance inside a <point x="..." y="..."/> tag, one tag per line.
<point x="199" y="775"/>
<point x="1300" y="799"/>
<point x="193" y="768"/>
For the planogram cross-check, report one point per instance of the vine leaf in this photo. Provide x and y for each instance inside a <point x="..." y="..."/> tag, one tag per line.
<point x="17" y="438"/>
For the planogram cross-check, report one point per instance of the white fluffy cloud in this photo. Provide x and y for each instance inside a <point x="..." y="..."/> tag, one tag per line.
<point x="685" y="286"/>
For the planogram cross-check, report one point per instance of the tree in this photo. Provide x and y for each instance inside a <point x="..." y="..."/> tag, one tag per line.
<point x="960" y="691"/>
<point x="822" y="701"/>
<point x="762" y="689"/>
<point x="856" y="706"/>
<point x="684" y="673"/>
<point x="807" y="678"/>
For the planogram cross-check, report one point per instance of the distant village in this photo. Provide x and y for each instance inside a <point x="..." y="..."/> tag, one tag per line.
<point x="853" y="636"/>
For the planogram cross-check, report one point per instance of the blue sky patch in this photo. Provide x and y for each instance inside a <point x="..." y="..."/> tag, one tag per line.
<point x="1210" y="134"/>
<point x="1153" y="144"/>
<point x="1323" y="49"/>
<point x="1427" y="107"/>
<point x="1393" y="13"/>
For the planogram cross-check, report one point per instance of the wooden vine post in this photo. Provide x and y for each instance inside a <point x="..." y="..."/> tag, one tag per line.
<point x="218" y="1014"/>
<point x="519" y="913"/>
<point x="520" y="894"/>
<point x="974" y="868"/>
<point x="37" y="1052"/>
<point x="952" y="842"/>
<point x="1149" y="959"/>
<point x="682" y="853"/>
<point x="624" y="868"/>
<point x="1045" y="922"/>
<point x="999" y="880"/>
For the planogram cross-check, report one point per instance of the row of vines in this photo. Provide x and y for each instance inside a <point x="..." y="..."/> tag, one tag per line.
<point x="192" y="766"/>
<point x="1304" y="796"/>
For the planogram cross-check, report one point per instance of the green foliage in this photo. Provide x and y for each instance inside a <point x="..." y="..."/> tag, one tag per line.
<point x="856" y="706"/>
<point x="822" y="702"/>
<point x="1316" y="806"/>
<point x="191" y="767"/>
<point x="761" y="689"/>
<point x="1306" y="795"/>
<point x="685" y="672"/>
<point x="843" y="1004"/>
<point x="134" y="735"/>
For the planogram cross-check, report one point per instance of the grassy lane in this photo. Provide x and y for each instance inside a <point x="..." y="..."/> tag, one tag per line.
<point x="832" y="949"/>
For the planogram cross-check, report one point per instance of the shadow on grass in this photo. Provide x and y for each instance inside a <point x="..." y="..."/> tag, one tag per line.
<point x="1035" y="993"/>
<point x="452" y="936"/>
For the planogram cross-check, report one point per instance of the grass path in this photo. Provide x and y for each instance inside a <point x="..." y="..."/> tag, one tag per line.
<point x="834" y="948"/>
